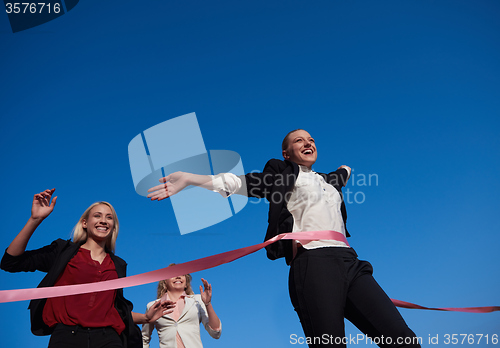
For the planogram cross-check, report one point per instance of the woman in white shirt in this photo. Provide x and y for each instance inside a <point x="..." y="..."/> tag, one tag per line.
<point x="181" y="329"/>
<point x="327" y="282"/>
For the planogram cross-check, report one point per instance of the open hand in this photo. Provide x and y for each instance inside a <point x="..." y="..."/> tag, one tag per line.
<point x="206" y="296"/>
<point x="159" y="309"/>
<point x="42" y="205"/>
<point x="171" y="184"/>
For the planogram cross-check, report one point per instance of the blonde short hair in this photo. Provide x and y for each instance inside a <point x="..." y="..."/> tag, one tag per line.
<point x="162" y="285"/>
<point x="80" y="234"/>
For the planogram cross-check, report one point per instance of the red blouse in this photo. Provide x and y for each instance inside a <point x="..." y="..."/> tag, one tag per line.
<point x="96" y="309"/>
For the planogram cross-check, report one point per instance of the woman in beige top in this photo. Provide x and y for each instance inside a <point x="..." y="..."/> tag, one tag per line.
<point x="181" y="329"/>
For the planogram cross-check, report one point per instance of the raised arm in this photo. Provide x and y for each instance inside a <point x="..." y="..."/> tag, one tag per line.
<point x="345" y="179"/>
<point x="43" y="204"/>
<point x="213" y="319"/>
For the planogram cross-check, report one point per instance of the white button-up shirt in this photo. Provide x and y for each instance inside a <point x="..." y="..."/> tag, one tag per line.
<point x="314" y="204"/>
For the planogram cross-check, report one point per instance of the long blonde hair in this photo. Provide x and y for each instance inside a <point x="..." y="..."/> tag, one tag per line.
<point x="80" y="234"/>
<point x="162" y="285"/>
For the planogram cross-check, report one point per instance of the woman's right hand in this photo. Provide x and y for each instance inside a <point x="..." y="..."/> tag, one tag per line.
<point x="42" y="205"/>
<point x="172" y="184"/>
<point x="41" y="208"/>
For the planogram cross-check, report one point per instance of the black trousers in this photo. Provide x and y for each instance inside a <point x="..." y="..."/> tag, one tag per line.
<point x="65" y="336"/>
<point x="329" y="284"/>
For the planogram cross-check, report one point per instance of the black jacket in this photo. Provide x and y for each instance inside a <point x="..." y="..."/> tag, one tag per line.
<point x="275" y="184"/>
<point x="52" y="259"/>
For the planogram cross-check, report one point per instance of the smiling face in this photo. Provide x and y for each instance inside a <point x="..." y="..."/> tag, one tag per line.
<point x="100" y="223"/>
<point x="176" y="284"/>
<point x="301" y="148"/>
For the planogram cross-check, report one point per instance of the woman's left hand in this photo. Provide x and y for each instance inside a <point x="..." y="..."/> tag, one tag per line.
<point x="206" y="296"/>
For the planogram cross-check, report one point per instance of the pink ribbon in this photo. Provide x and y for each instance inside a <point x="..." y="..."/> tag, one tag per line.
<point x="410" y="305"/>
<point x="192" y="267"/>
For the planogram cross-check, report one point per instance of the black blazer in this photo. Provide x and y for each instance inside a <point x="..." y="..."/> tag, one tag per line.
<point x="275" y="184"/>
<point x="52" y="259"/>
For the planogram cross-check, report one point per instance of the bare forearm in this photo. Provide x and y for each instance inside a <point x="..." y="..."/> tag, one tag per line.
<point x="140" y="318"/>
<point x="18" y="245"/>
<point x="213" y="319"/>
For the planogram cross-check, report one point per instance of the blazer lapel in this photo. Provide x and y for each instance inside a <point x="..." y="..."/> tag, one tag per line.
<point x="189" y="302"/>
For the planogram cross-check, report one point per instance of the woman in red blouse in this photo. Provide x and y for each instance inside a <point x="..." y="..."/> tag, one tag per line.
<point x="98" y="319"/>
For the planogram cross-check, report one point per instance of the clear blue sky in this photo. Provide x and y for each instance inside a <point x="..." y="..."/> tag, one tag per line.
<point x="406" y="90"/>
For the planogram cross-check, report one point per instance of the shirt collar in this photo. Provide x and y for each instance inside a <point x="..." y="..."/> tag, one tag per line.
<point x="304" y="169"/>
<point x="182" y="296"/>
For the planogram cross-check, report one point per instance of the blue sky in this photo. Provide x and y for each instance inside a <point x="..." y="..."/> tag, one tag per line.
<point x="405" y="90"/>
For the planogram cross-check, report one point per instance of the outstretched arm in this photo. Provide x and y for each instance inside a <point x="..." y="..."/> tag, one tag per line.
<point x="42" y="206"/>
<point x="206" y="297"/>
<point x="176" y="182"/>
<point x="226" y="184"/>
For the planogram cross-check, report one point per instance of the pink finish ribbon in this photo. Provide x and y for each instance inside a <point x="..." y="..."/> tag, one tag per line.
<point x="192" y="267"/>
<point x="410" y="305"/>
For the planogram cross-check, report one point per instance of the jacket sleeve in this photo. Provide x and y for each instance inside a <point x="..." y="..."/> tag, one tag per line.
<point x="338" y="178"/>
<point x="202" y="314"/>
<point x="260" y="185"/>
<point x="147" y="329"/>
<point x="33" y="260"/>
